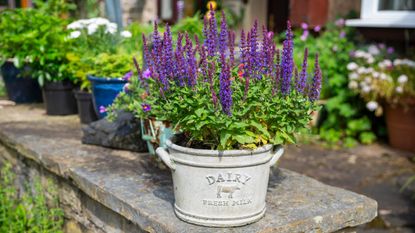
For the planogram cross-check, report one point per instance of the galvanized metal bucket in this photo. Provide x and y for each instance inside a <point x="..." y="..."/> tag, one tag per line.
<point x="219" y="188"/>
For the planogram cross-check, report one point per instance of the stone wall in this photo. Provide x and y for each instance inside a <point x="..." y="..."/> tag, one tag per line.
<point x="82" y="214"/>
<point x="105" y="190"/>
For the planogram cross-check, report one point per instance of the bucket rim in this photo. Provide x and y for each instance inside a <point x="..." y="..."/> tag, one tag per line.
<point x="219" y="153"/>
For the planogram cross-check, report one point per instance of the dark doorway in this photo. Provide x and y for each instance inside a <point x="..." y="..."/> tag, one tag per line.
<point x="278" y="12"/>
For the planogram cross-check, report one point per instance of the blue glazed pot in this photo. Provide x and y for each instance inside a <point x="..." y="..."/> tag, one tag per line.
<point x="20" y="89"/>
<point x="104" y="91"/>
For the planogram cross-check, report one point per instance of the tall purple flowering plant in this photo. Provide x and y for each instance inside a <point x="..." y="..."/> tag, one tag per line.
<point x="222" y="97"/>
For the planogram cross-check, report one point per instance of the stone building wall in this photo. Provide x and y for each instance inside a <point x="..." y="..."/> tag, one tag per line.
<point x="142" y="11"/>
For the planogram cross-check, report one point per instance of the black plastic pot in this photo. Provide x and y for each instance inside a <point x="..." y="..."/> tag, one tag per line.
<point x="20" y="88"/>
<point x="86" y="109"/>
<point x="59" y="98"/>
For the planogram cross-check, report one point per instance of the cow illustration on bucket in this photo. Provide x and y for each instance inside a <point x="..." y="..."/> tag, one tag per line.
<point x="228" y="189"/>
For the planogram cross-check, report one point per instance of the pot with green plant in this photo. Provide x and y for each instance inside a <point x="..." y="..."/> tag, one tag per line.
<point x="387" y="85"/>
<point x="101" y="63"/>
<point x="52" y="74"/>
<point x="16" y="55"/>
<point x="233" y="118"/>
<point x="109" y="79"/>
<point x="79" y="68"/>
<point x="40" y="45"/>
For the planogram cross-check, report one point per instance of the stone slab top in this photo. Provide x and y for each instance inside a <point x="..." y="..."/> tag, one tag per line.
<point x="131" y="185"/>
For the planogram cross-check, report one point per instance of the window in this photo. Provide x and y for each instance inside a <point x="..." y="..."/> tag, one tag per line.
<point x="386" y="13"/>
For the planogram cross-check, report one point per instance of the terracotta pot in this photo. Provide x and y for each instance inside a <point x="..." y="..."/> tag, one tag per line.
<point x="400" y="122"/>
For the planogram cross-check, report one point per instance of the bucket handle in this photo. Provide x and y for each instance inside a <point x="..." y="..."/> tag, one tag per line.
<point x="279" y="151"/>
<point x="165" y="156"/>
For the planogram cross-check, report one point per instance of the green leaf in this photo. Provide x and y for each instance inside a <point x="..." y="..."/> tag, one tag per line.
<point x="224" y="137"/>
<point x="243" y="139"/>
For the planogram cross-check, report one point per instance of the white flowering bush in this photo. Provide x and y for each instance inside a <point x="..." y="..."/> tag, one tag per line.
<point x="96" y="35"/>
<point x="379" y="77"/>
<point x="98" y="48"/>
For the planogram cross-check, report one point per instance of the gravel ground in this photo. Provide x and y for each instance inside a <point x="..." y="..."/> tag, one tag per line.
<point x="376" y="171"/>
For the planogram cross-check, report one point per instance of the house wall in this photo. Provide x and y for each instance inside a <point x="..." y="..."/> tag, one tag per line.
<point x="255" y="10"/>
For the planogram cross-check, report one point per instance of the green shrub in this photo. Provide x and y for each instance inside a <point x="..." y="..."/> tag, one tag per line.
<point x="345" y="119"/>
<point x="26" y="212"/>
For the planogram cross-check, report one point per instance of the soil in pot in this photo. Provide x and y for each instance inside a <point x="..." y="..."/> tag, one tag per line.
<point x="20" y="88"/>
<point x="86" y="109"/>
<point x="400" y="122"/>
<point x="59" y="98"/>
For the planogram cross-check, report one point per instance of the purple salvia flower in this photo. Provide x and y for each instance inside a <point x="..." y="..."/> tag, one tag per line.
<point x="191" y="62"/>
<point x="157" y="44"/>
<point x="202" y="57"/>
<point x="146" y="74"/>
<point x="271" y="65"/>
<point x="162" y="71"/>
<point x="212" y="34"/>
<point x="277" y="78"/>
<point x="180" y="71"/>
<point x="245" y="60"/>
<point x="248" y="65"/>
<point x="296" y="76"/>
<point x="223" y="38"/>
<point x="287" y="61"/>
<point x="137" y="67"/>
<point x="231" y="45"/>
<point x="169" y="66"/>
<point x="159" y="59"/>
<point x="301" y="84"/>
<point x="255" y="62"/>
<point x="314" y="92"/>
<point x="264" y="50"/>
<point x="205" y="31"/>
<point x="267" y="51"/>
<point x="148" y="61"/>
<point x="242" y="48"/>
<point x="211" y="72"/>
<point x="225" y="91"/>
<point x="127" y="76"/>
<point x="203" y="61"/>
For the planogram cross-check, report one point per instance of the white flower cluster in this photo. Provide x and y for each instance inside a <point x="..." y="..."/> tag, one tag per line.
<point x="403" y="62"/>
<point x="375" y="77"/>
<point x="365" y="55"/>
<point x="92" y="25"/>
<point x="385" y="64"/>
<point x="364" y="77"/>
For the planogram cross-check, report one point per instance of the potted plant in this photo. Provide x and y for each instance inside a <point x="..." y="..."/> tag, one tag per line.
<point x="39" y="45"/>
<point x="233" y="117"/>
<point x="101" y="63"/>
<point x="16" y="55"/>
<point x="388" y="86"/>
